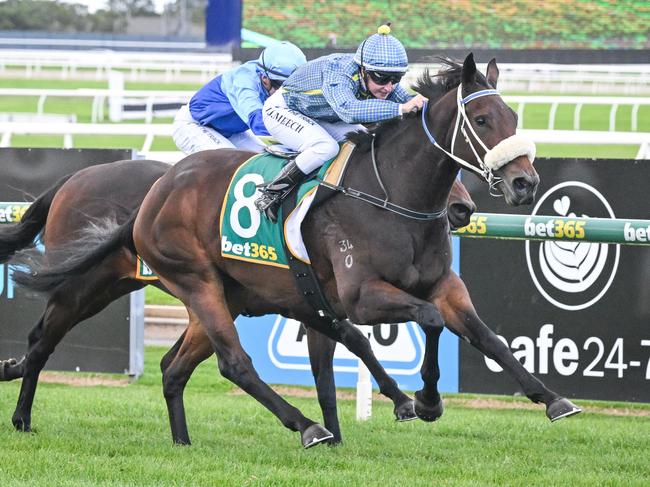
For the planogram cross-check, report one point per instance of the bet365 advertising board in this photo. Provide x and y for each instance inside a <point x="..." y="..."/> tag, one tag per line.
<point x="575" y="314"/>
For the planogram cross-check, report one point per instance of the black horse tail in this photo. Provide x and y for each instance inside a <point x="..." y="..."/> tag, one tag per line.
<point x="35" y="272"/>
<point x="21" y="235"/>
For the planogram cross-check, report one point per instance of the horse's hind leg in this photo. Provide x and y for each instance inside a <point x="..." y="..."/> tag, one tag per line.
<point x="192" y="348"/>
<point x="460" y="317"/>
<point x="205" y="297"/>
<point x="67" y="306"/>
<point x="321" y="356"/>
<point x="43" y="338"/>
<point x="12" y="368"/>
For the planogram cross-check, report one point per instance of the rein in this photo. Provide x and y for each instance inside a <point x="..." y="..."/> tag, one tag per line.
<point x="383" y="203"/>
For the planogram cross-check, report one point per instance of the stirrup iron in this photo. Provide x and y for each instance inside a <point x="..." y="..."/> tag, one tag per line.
<point x="274" y="192"/>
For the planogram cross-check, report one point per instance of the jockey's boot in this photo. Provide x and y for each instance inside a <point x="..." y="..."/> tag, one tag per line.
<point x="273" y="193"/>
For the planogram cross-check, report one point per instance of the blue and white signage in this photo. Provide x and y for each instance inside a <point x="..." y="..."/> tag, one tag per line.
<point x="278" y="347"/>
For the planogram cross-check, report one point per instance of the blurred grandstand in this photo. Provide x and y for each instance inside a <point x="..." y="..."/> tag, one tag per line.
<point x="457" y="24"/>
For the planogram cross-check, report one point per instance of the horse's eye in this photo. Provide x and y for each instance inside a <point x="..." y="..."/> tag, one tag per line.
<point x="480" y="121"/>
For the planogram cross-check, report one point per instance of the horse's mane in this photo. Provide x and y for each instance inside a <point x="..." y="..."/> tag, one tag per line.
<point x="432" y="86"/>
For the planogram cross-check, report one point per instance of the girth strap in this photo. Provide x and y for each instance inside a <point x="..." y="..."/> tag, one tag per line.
<point x="303" y="273"/>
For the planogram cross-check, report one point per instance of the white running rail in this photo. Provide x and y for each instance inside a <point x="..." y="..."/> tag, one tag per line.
<point x="150" y="131"/>
<point x="629" y="79"/>
<point x="149" y="99"/>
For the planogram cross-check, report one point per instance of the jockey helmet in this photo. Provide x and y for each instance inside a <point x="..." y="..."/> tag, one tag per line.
<point x="382" y="52"/>
<point x="279" y="60"/>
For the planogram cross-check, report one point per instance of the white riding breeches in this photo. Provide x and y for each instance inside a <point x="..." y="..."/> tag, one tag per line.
<point x="317" y="141"/>
<point x="190" y="136"/>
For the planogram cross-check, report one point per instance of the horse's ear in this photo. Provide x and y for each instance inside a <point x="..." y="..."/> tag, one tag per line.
<point x="469" y="69"/>
<point x="492" y="73"/>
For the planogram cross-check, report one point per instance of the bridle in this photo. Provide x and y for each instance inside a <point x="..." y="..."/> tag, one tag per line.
<point x="502" y="153"/>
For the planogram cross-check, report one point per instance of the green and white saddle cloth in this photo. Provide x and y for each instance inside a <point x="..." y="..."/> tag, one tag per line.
<point x="246" y="234"/>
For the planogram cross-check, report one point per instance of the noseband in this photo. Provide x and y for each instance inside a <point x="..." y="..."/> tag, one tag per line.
<point x="495" y="158"/>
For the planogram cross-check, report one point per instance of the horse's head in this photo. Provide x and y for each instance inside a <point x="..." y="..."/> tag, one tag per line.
<point x="491" y="129"/>
<point x="460" y="206"/>
<point x="482" y="137"/>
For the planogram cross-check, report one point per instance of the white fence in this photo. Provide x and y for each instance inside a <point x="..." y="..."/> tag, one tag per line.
<point x="96" y="65"/>
<point x="580" y="102"/>
<point x="150" y="131"/>
<point x="628" y="79"/>
<point x="149" y="100"/>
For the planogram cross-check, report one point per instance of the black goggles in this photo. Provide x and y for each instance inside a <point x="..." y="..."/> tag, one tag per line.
<point x="384" y="77"/>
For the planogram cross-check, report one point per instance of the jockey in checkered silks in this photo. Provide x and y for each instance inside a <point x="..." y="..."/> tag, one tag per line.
<point x="227" y="111"/>
<point x="328" y="97"/>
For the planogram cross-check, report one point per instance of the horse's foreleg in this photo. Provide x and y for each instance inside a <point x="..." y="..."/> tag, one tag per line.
<point x="177" y="366"/>
<point x="355" y="341"/>
<point x="428" y="403"/>
<point x="461" y="318"/>
<point x="205" y="297"/>
<point x="378" y="301"/>
<point x="321" y="356"/>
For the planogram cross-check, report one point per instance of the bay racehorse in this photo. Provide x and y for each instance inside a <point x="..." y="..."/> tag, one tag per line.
<point x="112" y="191"/>
<point x="397" y="268"/>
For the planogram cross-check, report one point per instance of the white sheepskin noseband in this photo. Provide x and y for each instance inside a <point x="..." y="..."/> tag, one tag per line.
<point x="509" y="149"/>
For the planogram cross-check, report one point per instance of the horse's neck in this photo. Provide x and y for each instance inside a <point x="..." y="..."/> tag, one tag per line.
<point x="416" y="174"/>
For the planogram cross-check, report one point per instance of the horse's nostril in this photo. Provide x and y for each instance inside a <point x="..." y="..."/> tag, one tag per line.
<point x="459" y="214"/>
<point x="522" y="185"/>
<point x="459" y="209"/>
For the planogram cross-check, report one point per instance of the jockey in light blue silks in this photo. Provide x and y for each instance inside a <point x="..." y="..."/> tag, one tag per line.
<point x="227" y="111"/>
<point x="328" y="97"/>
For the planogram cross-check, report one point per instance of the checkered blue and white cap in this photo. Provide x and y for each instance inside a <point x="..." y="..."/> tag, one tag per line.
<point x="382" y="52"/>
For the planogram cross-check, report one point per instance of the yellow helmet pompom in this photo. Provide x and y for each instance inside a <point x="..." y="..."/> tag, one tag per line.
<point x="383" y="30"/>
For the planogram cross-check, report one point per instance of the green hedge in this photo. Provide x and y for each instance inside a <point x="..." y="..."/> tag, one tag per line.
<point x="517" y="24"/>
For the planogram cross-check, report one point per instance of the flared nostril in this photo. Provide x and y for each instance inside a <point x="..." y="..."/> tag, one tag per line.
<point x="460" y="214"/>
<point x="522" y="185"/>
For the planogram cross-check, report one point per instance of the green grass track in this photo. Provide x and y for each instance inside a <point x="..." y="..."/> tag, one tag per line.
<point x="118" y="436"/>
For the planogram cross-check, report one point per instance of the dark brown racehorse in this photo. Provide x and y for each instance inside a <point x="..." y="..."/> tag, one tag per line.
<point x="400" y="267"/>
<point x="113" y="191"/>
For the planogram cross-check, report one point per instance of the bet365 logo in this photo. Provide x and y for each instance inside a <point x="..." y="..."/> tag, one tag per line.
<point x="252" y="250"/>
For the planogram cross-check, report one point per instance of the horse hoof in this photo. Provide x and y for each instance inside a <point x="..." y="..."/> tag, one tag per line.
<point x="405" y="412"/>
<point x="4" y="365"/>
<point x="21" y="425"/>
<point x="11" y="369"/>
<point x="314" y="435"/>
<point x="182" y="442"/>
<point x="561" y="408"/>
<point x="427" y="412"/>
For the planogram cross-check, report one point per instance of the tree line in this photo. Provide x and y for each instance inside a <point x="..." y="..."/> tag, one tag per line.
<point x="53" y="16"/>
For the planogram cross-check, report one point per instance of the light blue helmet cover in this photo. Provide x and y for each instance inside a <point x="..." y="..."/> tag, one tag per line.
<point x="382" y="52"/>
<point x="279" y="60"/>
